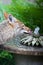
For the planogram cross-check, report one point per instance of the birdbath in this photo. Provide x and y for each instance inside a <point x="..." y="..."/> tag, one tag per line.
<point x="24" y="55"/>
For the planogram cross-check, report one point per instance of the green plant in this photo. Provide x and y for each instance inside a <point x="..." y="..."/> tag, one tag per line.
<point x="6" y="58"/>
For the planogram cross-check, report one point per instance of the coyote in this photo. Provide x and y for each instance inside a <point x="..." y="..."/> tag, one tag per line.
<point x="11" y="27"/>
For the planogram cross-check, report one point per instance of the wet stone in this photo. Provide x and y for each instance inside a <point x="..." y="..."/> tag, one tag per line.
<point x="32" y="41"/>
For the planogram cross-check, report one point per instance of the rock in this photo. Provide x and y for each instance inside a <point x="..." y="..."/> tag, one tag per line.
<point x="27" y="40"/>
<point x="36" y="31"/>
<point x="34" y="41"/>
<point x="29" y="43"/>
<point x="37" y="43"/>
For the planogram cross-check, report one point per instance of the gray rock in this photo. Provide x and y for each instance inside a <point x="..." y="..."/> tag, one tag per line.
<point x="31" y="40"/>
<point x="34" y="41"/>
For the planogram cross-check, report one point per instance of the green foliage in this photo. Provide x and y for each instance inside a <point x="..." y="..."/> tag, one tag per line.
<point x="40" y="3"/>
<point x="5" y="54"/>
<point x="6" y="58"/>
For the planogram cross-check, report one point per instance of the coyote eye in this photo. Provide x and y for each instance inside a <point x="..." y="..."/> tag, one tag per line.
<point x="10" y="18"/>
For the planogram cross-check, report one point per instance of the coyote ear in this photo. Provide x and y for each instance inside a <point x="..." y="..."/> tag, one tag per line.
<point x="5" y="15"/>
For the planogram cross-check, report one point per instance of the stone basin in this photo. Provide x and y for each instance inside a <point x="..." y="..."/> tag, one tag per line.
<point x="24" y="55"/>
<point x="15" y="46"/>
